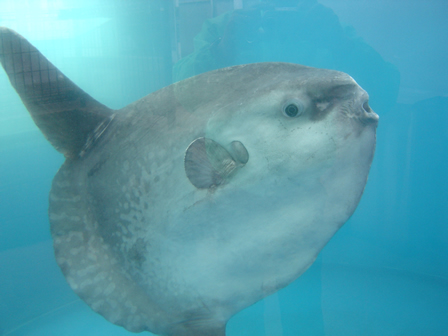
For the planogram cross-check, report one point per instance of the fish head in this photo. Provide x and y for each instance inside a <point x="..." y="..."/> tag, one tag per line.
<point x="304" y="129"/>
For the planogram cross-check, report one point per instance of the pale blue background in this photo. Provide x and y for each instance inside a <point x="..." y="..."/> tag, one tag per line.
<point x="384" y="273"/>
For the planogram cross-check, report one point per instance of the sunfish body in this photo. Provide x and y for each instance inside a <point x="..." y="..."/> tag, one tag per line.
<point x="196" y="201"/>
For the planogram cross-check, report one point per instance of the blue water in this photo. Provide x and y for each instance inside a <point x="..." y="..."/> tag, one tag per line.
<point x="384" y="273"/>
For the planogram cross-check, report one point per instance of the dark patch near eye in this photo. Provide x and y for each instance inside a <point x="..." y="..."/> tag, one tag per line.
<point x="321" y="108"/>
<point x="325" y="102"/>
<point x="342" y="91"/>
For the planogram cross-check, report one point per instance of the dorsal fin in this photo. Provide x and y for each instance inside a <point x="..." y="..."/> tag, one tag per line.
<point x="67" y="116"/>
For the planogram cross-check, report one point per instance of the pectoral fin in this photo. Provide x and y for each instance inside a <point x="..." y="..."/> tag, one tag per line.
<point x="208" y="164"/>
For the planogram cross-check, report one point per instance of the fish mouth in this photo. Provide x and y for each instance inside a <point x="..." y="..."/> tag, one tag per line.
<point x="358" y="108"/>
<point x="365" y="113"/>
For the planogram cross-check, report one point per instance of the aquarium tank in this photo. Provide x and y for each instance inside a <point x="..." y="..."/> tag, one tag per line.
<point x="223" y="167"/>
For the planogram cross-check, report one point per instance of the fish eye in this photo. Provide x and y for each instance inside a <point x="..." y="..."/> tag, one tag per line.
<point x="293" y="109"/>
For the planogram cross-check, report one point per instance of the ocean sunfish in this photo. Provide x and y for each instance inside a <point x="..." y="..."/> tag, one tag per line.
<point x="179" y="210"/>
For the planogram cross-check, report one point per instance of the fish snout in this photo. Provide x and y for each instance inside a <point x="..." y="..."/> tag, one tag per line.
<point x="364" y="112"/>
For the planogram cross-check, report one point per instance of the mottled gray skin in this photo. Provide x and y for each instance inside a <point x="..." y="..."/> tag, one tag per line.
<point x="148" y="250"/>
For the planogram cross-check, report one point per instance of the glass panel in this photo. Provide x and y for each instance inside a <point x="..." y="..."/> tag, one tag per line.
<point x="198" y="199"/>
